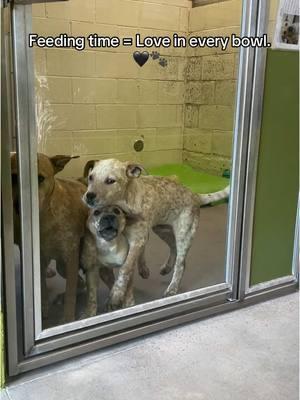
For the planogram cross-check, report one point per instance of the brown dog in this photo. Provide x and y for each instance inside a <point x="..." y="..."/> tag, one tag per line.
<point x="63" y="217"/>
<point x="104" y="245"/>
<point x="162" y="204"/>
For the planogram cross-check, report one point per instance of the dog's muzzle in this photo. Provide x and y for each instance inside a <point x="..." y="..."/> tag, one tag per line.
<point x="108" y="227"/>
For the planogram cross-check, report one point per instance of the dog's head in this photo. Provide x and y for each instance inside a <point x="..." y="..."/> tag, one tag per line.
<point x="48" y="167"/>
<point x="107" y="222"/>
<point x="108" y="181"/>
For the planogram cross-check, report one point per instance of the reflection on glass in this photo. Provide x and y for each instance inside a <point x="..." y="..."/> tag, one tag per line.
<point x="172" y="117"/>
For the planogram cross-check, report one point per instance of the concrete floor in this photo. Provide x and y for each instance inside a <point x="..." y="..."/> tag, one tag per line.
<point x="249" y="354"/>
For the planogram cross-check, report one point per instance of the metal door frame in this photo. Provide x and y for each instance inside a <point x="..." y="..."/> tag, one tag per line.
<point x="29" y="346"/>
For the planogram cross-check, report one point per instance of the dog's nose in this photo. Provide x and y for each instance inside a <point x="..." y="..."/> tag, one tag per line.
<point x="90" y="197"/>
<point x="109" y="219"/>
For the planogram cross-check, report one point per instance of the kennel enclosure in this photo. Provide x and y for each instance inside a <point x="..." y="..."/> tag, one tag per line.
<point x="30" y="345"/>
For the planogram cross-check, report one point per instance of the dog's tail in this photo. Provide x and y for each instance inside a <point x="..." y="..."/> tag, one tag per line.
<point x="213" y="197"/>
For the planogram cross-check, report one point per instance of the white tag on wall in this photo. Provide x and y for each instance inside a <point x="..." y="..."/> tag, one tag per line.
<point x="286" y="35"/>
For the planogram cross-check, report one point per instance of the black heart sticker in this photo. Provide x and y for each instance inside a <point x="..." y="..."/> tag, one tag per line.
<point x="141" y="58"/>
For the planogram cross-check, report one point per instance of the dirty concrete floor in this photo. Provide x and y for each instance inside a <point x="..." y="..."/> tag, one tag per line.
<point x="248" y="354"/>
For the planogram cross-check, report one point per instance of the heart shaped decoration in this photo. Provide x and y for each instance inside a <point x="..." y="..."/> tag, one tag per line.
<point x="141" y="58"/>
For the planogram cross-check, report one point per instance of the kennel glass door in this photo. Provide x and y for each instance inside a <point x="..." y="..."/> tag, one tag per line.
<point x="174" y="115"/>
<point x="181" y="115"/>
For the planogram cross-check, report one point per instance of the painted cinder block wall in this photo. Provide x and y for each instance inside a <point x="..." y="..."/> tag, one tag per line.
<point x="101" y="100"/>
<point x="210" y="88"/>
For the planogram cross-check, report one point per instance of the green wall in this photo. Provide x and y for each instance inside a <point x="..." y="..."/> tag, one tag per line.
<point x="278" y="170"/>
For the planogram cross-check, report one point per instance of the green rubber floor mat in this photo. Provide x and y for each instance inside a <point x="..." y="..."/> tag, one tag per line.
<point x="196" y="181"/>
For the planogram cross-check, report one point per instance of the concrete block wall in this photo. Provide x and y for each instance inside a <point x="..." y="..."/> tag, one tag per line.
<point x="97" y="102"/>
<point x="101" y="101"/>
<point x="274" y="4"/>
<point x="210" y="88"/>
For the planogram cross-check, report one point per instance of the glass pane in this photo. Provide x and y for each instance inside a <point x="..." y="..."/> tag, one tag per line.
<point x="172" y="117"/>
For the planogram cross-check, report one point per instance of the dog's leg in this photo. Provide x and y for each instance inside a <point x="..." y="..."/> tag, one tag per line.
<point x="184" y="230"/>
<point x="137" y="235"/>
<point x="118" y="292"/>
<point x="107" y="276"/>
<point x="129" y="298"/>
<point x="166" y="233"/>
<point x="92" y="277"/>
<point x="72" y="268"/>
<point x="61" y="269"/>
<point x="142" y="266"/>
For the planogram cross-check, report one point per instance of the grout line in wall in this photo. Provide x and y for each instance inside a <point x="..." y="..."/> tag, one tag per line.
<point x="77" y="132"/>
<point x="165" y="54"/>
<point x="202" y="31"/>
<point x="109" y="78"/>
<point x="116" y="25"/>
<point x="97" y="51"/>
<point x="123" y="104"/>
<point x="188" y="32"/>
<point x="161" y="4"/>
<point x="166" y="31"/>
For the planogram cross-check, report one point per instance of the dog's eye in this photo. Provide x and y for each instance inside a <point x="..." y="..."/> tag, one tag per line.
<point x="110" y="181"/>
<point x="116" y="211"/>
<point x="41" y="179"/>
<point x="97" y="212"/>
<point x="91" y="177"/>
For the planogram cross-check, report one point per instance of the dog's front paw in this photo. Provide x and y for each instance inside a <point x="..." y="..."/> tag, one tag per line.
<point x="90" y="311"/>
<point x="129" y="302"/>
<point x="87" y="314"/>
<point x="171" y="291"/>
<point x="116" y="299"/>
<point x="82" y="316"/>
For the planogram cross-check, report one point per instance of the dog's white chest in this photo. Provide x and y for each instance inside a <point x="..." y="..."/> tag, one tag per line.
<point x="112" y="254"/>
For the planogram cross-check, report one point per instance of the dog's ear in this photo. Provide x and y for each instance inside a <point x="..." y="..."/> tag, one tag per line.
<point x="134" y="170"/>
<point x="60" y="161"/>
<point x="88" y="166"/>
